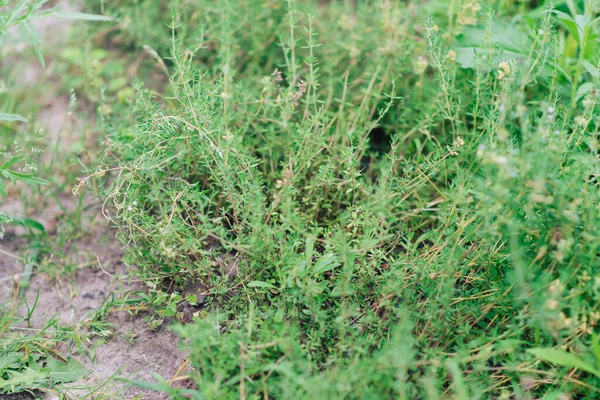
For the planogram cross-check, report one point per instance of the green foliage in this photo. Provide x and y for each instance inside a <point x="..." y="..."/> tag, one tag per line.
<point x="16" y="374"/>
<point x="565" y="359"/>
<point x="29" y="362"/>
<point x="17" y="176"/>
<point x="17" y="18"/>
<point x="375" y="204"/>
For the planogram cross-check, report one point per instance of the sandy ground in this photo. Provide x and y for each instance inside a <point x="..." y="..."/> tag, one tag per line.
<point x="130" y="346"/>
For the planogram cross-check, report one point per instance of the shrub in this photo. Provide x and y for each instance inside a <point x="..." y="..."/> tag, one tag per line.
<point x="372" y="205"/>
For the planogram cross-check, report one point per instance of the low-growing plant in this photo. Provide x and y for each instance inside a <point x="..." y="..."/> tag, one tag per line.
<point x="369" y="204"/>
<point x="30" y="362"/>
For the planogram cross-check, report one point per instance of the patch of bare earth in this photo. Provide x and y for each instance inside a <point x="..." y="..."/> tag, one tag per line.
<point x="129" y="348"/>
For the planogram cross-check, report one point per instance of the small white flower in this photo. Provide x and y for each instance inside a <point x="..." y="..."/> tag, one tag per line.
<point x="540" y="32"/>
<point x="135" y="203"/>
<point x="580" y="120"/>
<point x="501" y="107"/>
<point x="129" y="208"/>
<point x="550" y="110"/>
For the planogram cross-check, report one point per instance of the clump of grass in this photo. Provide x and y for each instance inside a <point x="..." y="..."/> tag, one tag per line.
<point x="374" y="204"/>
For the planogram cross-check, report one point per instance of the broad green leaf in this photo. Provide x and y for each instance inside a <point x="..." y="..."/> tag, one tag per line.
<point x="554" y="395"/>
<point x="12" y="117"/>
<point x="9" y="360"/>
<point x="460" y="388"/>
<point x="70" y="371"/>
<point x="512" y="42"/>
<point x="326" y="263"/>
<point x="562" y="358"/>
<point x="25" y="379"/>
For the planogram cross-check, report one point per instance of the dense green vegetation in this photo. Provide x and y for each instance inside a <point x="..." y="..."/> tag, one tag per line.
<point x="373" y="200"/>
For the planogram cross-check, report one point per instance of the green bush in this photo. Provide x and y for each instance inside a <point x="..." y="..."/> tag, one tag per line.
<point x="373" y="204"/>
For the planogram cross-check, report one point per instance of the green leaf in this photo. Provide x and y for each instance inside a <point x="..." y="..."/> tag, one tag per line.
<point x="569" y="23"/>
<point x="562" y="358"/>
<point x="309" y="248"/>
<point x="70" y="371"/>
<point x="583" y="90"/>
<point x="25" y="178"/>
<point x="28" y="223"/>
<point x="596" y="347"/>
<point x="507" y="37"/>
<point x="25" y="379"/>
<point x="9" y="360"/>
<point x="582" y="22"/>
<point x="192" y="299"/>
<point x="12" y="161"/>
<point x="326" y="263"/>
<point x="12" y="117"/>
<point x="592" y="69"/>
<point x="261" y="284"/>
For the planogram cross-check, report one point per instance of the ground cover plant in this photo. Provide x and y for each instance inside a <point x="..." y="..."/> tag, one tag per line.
<point x="369" y="203"/>
<point x="354" y="199"/>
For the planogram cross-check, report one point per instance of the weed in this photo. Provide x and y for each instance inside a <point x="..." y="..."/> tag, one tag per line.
<point x="339" y="199"/>
<point x="31" y="359"/>
<point x="374" y="205"/>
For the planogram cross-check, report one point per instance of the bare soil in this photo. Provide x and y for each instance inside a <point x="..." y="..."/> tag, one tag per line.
<point x="131" y="349"/>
